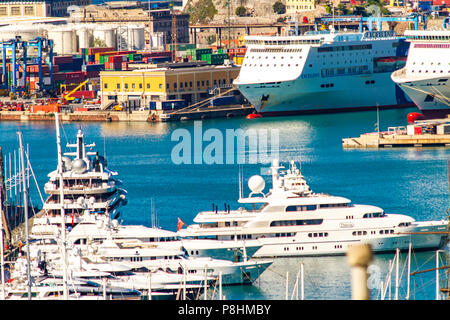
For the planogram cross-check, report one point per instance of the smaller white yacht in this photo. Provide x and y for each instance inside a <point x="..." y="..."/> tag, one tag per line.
<point x="94" y="229"/>
<point x="148" y="257"/>
<point x="292" y="220"/>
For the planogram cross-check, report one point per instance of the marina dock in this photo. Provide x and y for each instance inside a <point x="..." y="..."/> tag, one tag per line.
<point x="133" y="116"/>
<point x="391" y="140"/>
<point x="422" y="133"/>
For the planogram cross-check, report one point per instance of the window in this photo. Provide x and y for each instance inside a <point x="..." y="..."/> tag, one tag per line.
<point x="306" y="222"/>
<point x="3" y="11"/>
<point x="126" y="85"/>
<point x="15" y="11"/>
<point x="118" y="86"/>
<point x="106" y="86"/>
<point x="148" y="85"/>
<point x="29" y="10"/>
<point x="301" y="208"/>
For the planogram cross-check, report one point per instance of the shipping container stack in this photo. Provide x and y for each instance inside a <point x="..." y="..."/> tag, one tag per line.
<point x="212" y="57"/>
<point x="237" y="55"/>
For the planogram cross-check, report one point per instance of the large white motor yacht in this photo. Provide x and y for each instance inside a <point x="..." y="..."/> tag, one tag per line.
<point x="291" y="220"/>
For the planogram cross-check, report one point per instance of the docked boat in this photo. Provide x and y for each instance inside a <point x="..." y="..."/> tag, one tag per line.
<point x="322" y="71"/>
<point x="139" y="255"/>
<point x="94" y="229"/>
<point x="425" y="78"/>
<point x="292" y="220"/>
<point x="89" y="188"/>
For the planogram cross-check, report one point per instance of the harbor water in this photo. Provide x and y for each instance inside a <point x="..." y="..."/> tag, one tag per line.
<point x="411" y="181"/>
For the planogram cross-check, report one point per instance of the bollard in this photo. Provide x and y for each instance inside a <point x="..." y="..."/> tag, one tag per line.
<point x="359" y="257"/>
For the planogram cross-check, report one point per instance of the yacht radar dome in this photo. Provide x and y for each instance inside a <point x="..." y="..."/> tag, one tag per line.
<point x="67" y="163"/>
<point x="79" y="166"/>
<point x="256" y="184"/>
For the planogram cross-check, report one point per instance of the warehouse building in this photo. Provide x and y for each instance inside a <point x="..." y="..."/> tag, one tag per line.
<point x="39" y="8"/>
<point x="179" y="81"/>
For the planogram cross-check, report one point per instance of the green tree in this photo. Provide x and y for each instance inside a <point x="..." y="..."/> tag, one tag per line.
<point x="241" y="11"/>
<point x="279" y="7"/>
<point x="203" y="11"/>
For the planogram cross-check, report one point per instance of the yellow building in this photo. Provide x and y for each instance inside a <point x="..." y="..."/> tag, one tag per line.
<point x="297" y="6"/>
<point x="39" y="8"/>
<point x="24" y="9"/>
<point x="191" y="84"/>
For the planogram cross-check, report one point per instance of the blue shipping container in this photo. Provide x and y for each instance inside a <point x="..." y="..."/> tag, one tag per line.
<point x="173" y="104"/>
<point x="222" y="101"/>
<point x="66" y="67"/>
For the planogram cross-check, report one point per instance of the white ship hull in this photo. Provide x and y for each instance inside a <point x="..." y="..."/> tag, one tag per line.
<point x="425" y="77"/>
<point x="431" y="96"/>
<point x="319" y="72"/>
<point x="306" y="95"/>
<point x="297" y="246"/>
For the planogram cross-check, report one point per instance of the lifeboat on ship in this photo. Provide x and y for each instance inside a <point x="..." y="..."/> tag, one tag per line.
<point x="389" y="62"/>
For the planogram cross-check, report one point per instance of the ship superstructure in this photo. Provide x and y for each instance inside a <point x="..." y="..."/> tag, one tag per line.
<point x="322" y="71"/>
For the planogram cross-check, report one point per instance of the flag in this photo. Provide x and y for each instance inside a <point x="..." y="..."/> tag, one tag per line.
<point x="180" y="224"/>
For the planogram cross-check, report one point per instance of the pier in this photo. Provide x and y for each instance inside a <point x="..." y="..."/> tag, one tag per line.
<point x="423" y="133"/>
<point x="194" y="113"/>
<point x="368" y="140"/>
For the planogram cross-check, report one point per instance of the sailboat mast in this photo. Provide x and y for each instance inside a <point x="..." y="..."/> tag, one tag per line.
<point x="61" y="198"/>
<point x="25" y="209"/>
<point x="2" y="253"/>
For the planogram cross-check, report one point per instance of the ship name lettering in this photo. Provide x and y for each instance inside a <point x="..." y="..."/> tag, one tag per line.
<point x="346" y="225"/>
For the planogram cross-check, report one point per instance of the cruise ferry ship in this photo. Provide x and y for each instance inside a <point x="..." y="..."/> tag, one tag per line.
<point x="292" y="220"/>
<point x="425" y="77"/>
<point x="322" y="71"/>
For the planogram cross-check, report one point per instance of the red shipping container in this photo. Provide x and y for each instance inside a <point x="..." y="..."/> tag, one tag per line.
<point x="76" y="75"/>
<point x="92" y="74"/>
<point x="84" y="94"/>
<point x="62" y="59"/>
<point x="45" y="108"/>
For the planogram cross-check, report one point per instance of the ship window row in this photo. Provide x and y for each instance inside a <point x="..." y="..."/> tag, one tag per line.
<point x="346" y="48"/>
<point x="301" y="208"/>
<point x="387" y="231"/>
<point x="318" y="234"/>
<point x="276" y="50"/>
<point x="374" y="215"/>
<point x="241" y="236"/>
<point x="306" y="222"/>
<point x="282" y="42"/>
<point x="331" y="72"/>
<point x="333" y="205"/>
<point x="426" y="45"/>
<point x="426" y="71"/>
<point x="285" y="234"/>
<point x="268" y="65"/>
<point x="359" y="233"/>
<point x="431" y="63"/>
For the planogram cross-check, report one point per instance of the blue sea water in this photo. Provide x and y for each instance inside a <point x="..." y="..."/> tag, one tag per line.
<point x="404" y="180"/>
